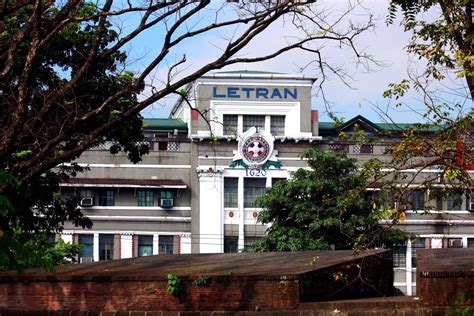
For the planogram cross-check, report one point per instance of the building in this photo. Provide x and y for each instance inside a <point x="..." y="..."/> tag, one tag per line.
<point x="192" y="194"/>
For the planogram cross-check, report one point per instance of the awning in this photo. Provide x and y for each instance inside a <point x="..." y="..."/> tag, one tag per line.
<point x="124" y="183"/>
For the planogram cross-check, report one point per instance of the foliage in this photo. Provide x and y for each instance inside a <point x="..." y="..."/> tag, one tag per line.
<point x="326" y="206"/>
<point x="174" y="284"/>
<point x="201" y="280"/>
<point x="66" y="84"/>
<point x="442" y="34"/>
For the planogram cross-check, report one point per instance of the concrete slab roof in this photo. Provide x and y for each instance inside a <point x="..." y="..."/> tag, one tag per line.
<point x="268" y="265"/>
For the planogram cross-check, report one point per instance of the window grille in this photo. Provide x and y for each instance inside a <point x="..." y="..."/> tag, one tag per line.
<point x="231" y="244"/>
<point x="230" y="124"/>
<point x="277" y="125"/>
<point x="420" y="243"/>
<point x="145" y="245"/>
<point x="172" y="146"/>
<point x="86" y="253"/>
<point x="249" y="242"/>
<point x="145" y="198"/>
<point x="230" y="192"/>
<point x="253" y="188"/>
<point x="253" y="120"/>
<point x="276" y="180"/>
<point x="417" y="200"/>
<point x="165" y="244"/>
<point x="106" y="247"/>
<point x="454" y="202"/>
<point x="399" y="256"/>
<point x="338" y="147"/>
<point x="363" y="149"/>
<point x="107" y="198"/>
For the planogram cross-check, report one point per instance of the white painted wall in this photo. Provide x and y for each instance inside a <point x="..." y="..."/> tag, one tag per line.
<point x="186" y="244"/>
<point x="211" y="215"/>
<point x="126" y="244"/>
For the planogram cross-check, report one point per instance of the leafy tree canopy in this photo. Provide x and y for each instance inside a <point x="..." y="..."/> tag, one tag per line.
<point x="65" y="86"/>
<point x="442" y="37"/>
<point x="325" y="206"/>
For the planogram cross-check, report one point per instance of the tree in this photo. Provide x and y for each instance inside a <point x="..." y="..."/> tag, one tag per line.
<point x="326" y="206"/>
<point x="442" y="37"/>
<point x="66" y="85"/>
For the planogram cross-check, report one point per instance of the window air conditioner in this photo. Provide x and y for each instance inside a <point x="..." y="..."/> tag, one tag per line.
<point x="471" y="206"/>
<point x="166" y="203"/>
<point x="86" y="260"/>
<point x="87" y="201"/>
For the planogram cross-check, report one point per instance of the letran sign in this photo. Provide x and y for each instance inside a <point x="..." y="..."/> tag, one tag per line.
<point x="253" y="92"/>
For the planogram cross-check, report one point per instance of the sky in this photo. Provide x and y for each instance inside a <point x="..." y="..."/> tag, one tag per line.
<point x="386" y="44"/>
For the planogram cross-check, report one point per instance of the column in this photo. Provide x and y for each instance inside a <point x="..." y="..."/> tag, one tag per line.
<point x="409" y="267"/>
<point x="211" y="211"/>
<point x="126" y="246"/>
<point x="185" y="244"/>
<point x="96" y="247"/>
<point x="240" y="199"/>
<point x="155" y="244"/>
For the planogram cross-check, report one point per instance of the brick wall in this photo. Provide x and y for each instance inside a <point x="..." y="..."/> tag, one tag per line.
<point x="219" y="294"/>
<point x="445" y="277"/>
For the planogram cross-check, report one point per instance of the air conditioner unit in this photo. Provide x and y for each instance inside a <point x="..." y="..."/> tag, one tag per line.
<point x="471" y="206"/>
<point x="166" y="203"/>
<point x="86" y="260"/>
<point x="87" y="202"/>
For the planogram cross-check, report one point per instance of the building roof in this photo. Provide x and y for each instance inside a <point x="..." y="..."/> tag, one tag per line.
<point x="164" y="124"/>
<point x="379" y="127"/>
<point x="249" y="72"/>
<point x="256" y="74"/>
<point x="258" y="265"/>
<point x="129" y="183"/>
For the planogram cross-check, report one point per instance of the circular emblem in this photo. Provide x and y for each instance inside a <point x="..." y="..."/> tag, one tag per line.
<point x="254" y="214"/>
<point x="255" y="149"/>
<point x="231" y="214"/>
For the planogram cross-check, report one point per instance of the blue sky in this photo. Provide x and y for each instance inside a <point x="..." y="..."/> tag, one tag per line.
<point x="386" y="44"/>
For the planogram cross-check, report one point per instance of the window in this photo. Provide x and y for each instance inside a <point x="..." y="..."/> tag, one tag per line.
<point x="107" y="198"/>
<point x="145" y="245"/>
<point x="106" y="247"/>
<point x="249" y="242"/>
<point x="276" y="180"/>
<point x="145" y="198"/>
<point x="455" y="202"/>
<point x="417" y="200"/>
<point x="230" y="192"/>
<point x="86" y="254"/>
<point x="231" y="244"/>
<point x="253" y="188"/>
<point x="162" y="146"/>
<point x="363" y="149"/>
<point x="454" y="243"/>
<point x="165" y="245"/>
<point x="229" y="123"/>
<point x="253" y="120"/>
<point x="470" y="243"/>
<point x="87" y="194"/>
<point x="420" y="243"/>
<point x="399" y="256"/>
<point x="277" y="125"/>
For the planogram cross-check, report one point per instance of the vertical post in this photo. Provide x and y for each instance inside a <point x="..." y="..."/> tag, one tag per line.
<point x="96" y="247"/>
<point x="409" y="269"/>
<point x="240" y="199"/>
<point x="211" y="215"/>
<point x="155" y="244"/>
